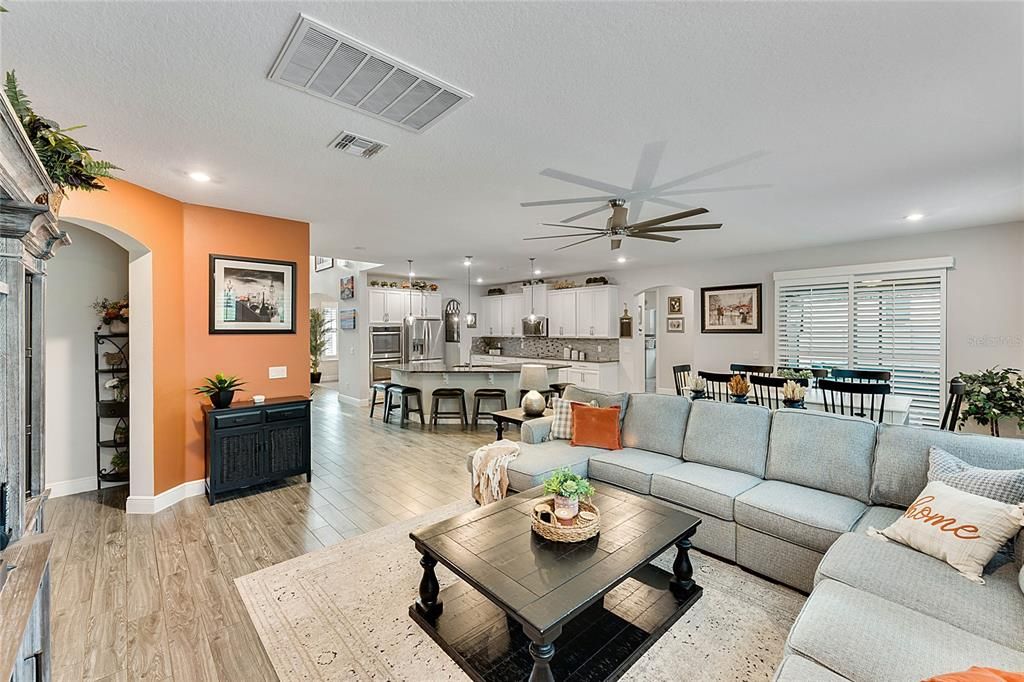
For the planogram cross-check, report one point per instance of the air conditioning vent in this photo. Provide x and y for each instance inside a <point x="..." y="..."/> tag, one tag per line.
<point x="356" y="145"/>
<point x="330" y="65"/>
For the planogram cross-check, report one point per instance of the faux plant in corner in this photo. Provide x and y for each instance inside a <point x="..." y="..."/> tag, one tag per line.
<point x="67" y="161"/>
<point x="568" y="489"/>
<point x="220" y="389"/>
<point x="991" y="395"/>
<point x="318" y="328"/>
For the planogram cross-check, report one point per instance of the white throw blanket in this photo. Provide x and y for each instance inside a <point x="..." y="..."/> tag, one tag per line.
<point x="490" y="470"/>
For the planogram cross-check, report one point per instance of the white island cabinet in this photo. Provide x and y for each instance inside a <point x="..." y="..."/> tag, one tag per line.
<point x="601" y="376"/>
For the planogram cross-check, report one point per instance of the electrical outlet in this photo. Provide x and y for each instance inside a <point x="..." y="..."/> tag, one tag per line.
<point x="278" y="372"/>
<point x="598" y="348"/>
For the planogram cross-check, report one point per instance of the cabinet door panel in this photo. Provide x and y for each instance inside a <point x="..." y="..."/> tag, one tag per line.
<point x="238" y="456"/>
<point x="286" y="444"/>
<point x="398" y="302"/>
<point x="378" y="306"/>
<point x="432" y="306"/>
<point x="512" y="315"/>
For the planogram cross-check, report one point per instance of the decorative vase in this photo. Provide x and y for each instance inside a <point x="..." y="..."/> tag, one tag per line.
<point x="222" y="399"/>
<point x="697" y="395"/>
<point x="118" y="327"/>
<point x="314" y="377"/>
<point x="568" y="504"/>
<point x="533" y="404"/>
<point x="741" y="399"/>
<point x="794" y="404"/>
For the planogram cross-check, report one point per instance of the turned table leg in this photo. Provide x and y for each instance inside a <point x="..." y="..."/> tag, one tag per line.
<point x="499" y="428"/>
<point x="681" y="582"/>
<point x="542" y="655"/>
<point x="428" y="603"/>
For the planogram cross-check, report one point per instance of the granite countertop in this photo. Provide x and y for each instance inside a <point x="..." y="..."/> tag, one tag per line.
<point x="441" y="367"/>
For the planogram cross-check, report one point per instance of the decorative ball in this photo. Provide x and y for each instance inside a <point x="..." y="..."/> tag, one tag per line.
<point x="533" y="404"/>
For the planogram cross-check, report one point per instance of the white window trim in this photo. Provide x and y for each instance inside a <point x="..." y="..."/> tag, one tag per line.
<point x="335" y="307"/>
<point x="940" y="263"/>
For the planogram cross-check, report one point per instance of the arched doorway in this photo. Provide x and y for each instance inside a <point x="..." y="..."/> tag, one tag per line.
<point x="666" y="328"/>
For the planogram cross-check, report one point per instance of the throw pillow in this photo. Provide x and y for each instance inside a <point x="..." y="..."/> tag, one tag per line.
<point x="599" y="398"/>
<point x="1005" y="485"/>
<point x="976" y="674"/>
<point x="597" y="427"/>
<point x="960" y="528"/>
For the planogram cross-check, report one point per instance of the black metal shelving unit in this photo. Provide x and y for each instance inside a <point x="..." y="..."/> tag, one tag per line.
<point x="109" y="410"/>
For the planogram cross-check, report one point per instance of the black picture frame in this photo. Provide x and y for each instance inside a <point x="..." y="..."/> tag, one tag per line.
<point x="720" y="325"/>
<point x="287" y="271"/>
<point x="347" y="288"/>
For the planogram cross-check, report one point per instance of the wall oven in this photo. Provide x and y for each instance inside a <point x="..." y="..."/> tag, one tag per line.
<point x="385" y="349"/>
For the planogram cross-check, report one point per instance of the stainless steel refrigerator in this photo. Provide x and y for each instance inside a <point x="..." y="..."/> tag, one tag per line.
<point x="423" y="340"/>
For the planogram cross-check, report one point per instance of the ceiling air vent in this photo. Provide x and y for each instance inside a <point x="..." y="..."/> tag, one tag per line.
<point x="355" y="145"/>
<point x="330" y="65"/>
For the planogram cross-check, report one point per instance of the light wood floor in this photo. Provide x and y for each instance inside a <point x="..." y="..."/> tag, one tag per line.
<point x="152" y="597"/>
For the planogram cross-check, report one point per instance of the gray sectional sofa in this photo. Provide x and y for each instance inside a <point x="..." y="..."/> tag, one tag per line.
<point x="788" y="494"/>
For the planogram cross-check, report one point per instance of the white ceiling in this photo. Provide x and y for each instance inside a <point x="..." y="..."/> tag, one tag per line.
<point x="854" y="115"/>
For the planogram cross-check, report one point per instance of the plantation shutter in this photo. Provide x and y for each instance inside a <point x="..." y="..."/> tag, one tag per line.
<point x="331" y="318"/>
<point x="812" y="324"/>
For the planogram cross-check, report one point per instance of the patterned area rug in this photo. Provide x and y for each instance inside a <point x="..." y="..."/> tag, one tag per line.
<point x="341" y="613"/>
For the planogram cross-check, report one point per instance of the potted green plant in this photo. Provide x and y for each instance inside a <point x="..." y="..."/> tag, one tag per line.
<point x="568" y="488"/>
<point x="220" y="389"/>
<point x="318" y="328"/>
<point x="991" y="395"/>
<point x="119" y="460"/>
<point x="68" y="162"/>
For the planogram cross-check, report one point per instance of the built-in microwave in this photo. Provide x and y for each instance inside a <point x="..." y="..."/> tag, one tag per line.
<point x="538" y="327"/>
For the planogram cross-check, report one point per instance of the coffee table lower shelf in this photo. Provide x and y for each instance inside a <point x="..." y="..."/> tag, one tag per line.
<point x="599" y="644"/>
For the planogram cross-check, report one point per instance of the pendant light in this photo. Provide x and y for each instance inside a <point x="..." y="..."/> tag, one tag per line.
<point x="533" y="315"/>
<point x="470" y="316"/>
<point x="410" y="318"/>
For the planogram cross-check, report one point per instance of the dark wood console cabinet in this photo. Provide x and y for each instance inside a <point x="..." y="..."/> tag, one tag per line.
<point x="249" y="443"/>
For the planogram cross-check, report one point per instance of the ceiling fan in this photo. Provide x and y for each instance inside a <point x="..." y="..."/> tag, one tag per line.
<point x="618" y="227"/>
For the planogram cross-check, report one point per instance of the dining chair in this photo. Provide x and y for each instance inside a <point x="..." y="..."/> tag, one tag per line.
<point x="681" y="373"/>
<point x="718" y="384"/>
<point x="751" y="370"/>
<point x="768" y="390"/>
<point x="816" y="372"/>
<point x="951" y="415"/>
<point x="855" y="399"/>
<point x="862" y="375"/>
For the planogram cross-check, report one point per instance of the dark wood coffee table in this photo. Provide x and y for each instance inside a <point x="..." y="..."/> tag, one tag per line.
<point x="516" y="416"/>
<point x="530" y="609"/>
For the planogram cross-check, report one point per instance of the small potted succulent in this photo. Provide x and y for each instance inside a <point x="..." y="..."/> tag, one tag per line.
<point x="220" y="389"/>
<point x="793" y="395"/>
<point x="698" y="388"/>
<point x="739" y="387"/>
<point x="568" y="488"/>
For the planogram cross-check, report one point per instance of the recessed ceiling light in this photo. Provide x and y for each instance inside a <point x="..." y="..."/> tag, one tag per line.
<point x="479" y="280"/>
<point x="914" y="217"/>
<point x="199" y="176"/>
<point x="621" y="259"/>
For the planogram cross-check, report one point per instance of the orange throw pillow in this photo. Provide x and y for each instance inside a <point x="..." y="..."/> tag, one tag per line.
<point x="597" y="427"/>
<point x="976" y="674"/>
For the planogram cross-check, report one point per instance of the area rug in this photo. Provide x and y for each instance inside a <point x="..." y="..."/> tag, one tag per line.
<point x="341" y="613"/>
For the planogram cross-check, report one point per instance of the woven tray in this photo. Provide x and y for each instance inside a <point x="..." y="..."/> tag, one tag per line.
<point x="582" y="529"/>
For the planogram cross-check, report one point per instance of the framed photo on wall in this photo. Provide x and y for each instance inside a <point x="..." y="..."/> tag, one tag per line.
<point x="321" y="263"/>
<point x="675" y="305"/>
<point x="348" y="288"/>
<point x="675" y="325"/>
<point x="347" y="319"/>
<point x="251" y="296"/>
<point x="733" y="309"/>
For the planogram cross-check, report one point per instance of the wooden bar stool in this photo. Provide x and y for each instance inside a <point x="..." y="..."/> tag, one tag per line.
<point x="439" y="394"/>
<point x="403" y="394"/>
<point x="559" y="388"/>
<point x="383" y="387"/>
<point x="481" y="394"/>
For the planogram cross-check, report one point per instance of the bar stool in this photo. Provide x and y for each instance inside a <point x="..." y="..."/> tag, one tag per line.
<point x="559" y="388"/>
<point x="383" y="387"/>
<point x="403" y="394"/>
<point x="481" y="394"/>
<point x="439" y="394"/>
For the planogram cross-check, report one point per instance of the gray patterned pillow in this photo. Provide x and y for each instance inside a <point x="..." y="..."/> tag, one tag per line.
<point x="1004" y="485"/>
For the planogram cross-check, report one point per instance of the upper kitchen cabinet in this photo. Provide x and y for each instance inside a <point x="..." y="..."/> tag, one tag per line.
<point x="596" y="312"/>
<point x="392" y="305"/>
<point x="431" y="309"/>
<point x="490" y="309"/>
<point x="562" y="313"/>
<point x="539" y="301"/>
<point x="512" y="315"/>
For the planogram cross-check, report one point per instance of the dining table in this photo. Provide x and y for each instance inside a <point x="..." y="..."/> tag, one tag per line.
<point x="897" y="407"/>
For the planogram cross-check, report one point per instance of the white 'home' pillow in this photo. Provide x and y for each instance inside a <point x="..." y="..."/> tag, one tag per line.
<point x="960" y="528"/>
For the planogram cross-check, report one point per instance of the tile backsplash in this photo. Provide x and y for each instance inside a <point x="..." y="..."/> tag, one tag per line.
<point x="597" y="350"/>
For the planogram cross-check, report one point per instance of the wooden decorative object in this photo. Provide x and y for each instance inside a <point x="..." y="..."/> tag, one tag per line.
<point x="587" y="523"/>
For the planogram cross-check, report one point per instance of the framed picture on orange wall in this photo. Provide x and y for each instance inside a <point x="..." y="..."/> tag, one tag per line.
<point x="251" y="295"/>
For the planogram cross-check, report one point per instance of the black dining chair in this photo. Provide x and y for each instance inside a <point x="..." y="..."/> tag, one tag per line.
<point x="951" y="415"/>
<point x="768" y="390"/>
<point x="816" y="372"/>
<point x="855" y="399"/>
<point x="862" y="375"/>
<point x="681" y="373"/>
<point x="718" y="384"/>
<point x="751" y="370"/>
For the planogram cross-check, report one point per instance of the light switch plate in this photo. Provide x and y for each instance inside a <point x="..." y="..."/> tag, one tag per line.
<point x="278" y="373"/>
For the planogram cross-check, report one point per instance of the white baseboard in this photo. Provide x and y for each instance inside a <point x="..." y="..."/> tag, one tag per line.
<point x="151" y="504"/>
<point x="351" y="400"/>
<point x="72" y="487"/>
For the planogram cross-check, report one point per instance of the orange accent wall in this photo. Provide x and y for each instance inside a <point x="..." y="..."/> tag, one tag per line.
<point x="181" y="237"/>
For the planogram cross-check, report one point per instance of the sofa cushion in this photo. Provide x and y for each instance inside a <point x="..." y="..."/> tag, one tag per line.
<point x="865" y="638"/>
<point x="537" y="462"/>
<point x="795" y="668"/>
<point x="597" y="427"/>
<point x="702" y="487"/>
<point x="536" y="430"/>
<point x="804" y="516"/>
<point x="602" y="398"/>
<point x="829" y="452"/>
<point x="901" y="458"/>
<point x="728" y="435"/>
<point x="1005" y="485"/>
<point x="877" y="517"/>
<point x="899" y="574"/>
<point x="656" y="423"/>
<point x="629" y="468"/>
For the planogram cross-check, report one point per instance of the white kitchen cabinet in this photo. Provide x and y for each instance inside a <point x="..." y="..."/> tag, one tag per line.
<point x="430" y="307"/>
<point x="595" y="312"/>
<point x="392" y="305"/>
<point x="539" y="301"/>
<point x="378" y="306"/>
<point x="491" y="310"/>
<point x="512" y="315"/>
<point x="562" y="313"/>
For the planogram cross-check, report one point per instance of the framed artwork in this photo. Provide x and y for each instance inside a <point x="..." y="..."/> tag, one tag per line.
<point x="348" y="288"/>
<point x="733" y="309"/>
<point x="251" y="296"/>
<point x="674" y="325"/>
<point x="675" y="305"/>
<point x="347" y="319"/>
<point x="321" y="263"/>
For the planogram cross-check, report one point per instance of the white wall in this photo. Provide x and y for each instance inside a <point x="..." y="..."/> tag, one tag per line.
<point x="94" y="268"/>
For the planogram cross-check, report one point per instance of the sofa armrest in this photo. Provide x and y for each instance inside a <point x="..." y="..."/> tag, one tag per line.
<point x="535" y="430"/>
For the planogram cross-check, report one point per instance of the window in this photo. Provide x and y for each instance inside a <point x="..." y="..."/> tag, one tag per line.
<point x="331" y="317"/>
<point x="869" y="318"/>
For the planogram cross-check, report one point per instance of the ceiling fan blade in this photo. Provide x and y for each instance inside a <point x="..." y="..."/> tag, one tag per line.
<point x="551" y="236"/>
<point x="575" y="227"/>
<point x="712" y="190"/>
<point x="678" y="228"/>
<point x="586" y="213"/>
<point x="616" y="243"/>
<point x="655" y="237"/>
<point x="669" y="218"/>
<point x="584" y="182"/>
<point x="584" y="241"/>
<point x="560" y="202"/>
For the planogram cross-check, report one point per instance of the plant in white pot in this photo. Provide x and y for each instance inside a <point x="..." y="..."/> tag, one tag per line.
<point x="568" y="489"/>
<point x="993" y="395"/>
